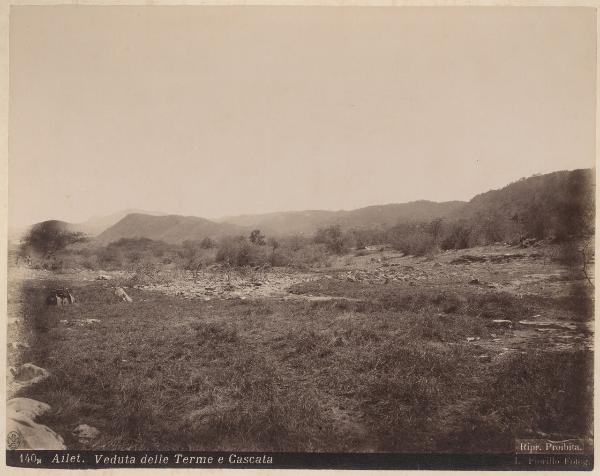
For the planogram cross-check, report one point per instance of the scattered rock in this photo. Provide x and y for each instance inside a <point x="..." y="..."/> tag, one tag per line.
<point x="28" y="374"/>
<point x="502" y="322"/>
<point x="506" y="356"/>
<point x="475" y="281"/>
<point x="466" y="259"/>
<point x="89" y="321"/>
<point x="19" y="345"/>
<point x="559" y="324"/>
<point x="86" y="433"/>
<point x="505" y="258"/>
<point x="122" y="295"/>
<point x="104" y="277"/>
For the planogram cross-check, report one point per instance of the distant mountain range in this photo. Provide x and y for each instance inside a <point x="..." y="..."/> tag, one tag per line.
<point x="307" y="222"/>
<point x="176" y="228"/>
<point x="548" y="193"/>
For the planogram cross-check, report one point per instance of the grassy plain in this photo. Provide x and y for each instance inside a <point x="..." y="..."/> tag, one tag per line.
<point x="407" y="366"/>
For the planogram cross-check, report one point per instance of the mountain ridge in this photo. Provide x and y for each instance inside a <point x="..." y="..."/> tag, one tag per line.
<point x="533" y="197"/>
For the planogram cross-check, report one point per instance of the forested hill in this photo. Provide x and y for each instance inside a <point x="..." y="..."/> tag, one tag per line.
<point x="558" y="204"/>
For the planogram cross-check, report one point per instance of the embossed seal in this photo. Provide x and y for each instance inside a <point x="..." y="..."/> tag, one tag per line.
<point x="13" y="440"/>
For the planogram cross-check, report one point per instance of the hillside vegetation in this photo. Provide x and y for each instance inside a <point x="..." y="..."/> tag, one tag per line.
<point x="557" y="207"/>
<point x="309" y="221"/>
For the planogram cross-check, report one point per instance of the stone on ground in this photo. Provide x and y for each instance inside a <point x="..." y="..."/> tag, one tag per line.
<point x="21" y="413"/>
<point x="85" y="433"/>
<point x="122" y="295"/>
<point x="26" y="374"/>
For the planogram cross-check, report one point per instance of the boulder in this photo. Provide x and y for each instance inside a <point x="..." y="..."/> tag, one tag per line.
<point x="27" y="374"/>
<point x="122" y="295"/>
<point x="103" y="277"/>
<point x="26" y="406"/>
<point x="23" y="432"/>
<point x="85" y="433"/>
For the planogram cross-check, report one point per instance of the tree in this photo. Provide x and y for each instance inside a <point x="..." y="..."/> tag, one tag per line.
<point x="457" y="236"/>
<point x="333" y="237"/>
<point x="257" y="238"/>
<point x="50" y="237"/>
<point x="435" y="229"/>
<point x="207" y="243"/>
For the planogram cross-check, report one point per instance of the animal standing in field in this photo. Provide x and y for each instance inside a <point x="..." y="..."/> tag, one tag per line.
<point x="60" y="297"/>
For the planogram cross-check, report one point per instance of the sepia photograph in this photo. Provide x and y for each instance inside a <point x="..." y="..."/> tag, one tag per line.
<point x="292" y="236"/>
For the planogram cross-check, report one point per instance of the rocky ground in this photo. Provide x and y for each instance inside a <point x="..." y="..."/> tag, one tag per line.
<point x="533" y="271"/>
<point x="219" y="284"/>
<point x="491" y="306"/>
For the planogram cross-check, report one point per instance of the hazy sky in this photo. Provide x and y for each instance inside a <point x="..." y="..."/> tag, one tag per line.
<point x="213" y="111"/>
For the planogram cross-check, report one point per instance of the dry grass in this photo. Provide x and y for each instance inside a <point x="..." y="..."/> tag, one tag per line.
<point x="392" y="372"/>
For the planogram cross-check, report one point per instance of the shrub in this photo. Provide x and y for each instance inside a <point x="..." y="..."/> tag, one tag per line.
<point x="456" y="236"/>
<point x="332" y="237"/>
<point x="239" y="252"/>
<point x="417" y="243"/>
<point x="257" y="238"/>
<point x="207" y="243"/>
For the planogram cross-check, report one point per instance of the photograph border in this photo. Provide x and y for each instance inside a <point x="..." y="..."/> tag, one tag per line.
<point x="5" y="172"/>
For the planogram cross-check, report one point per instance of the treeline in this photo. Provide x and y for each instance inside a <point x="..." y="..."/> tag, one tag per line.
<point x="557" y="207"/>
<point x="256" y="249"/>
<point x="192" y="255"/>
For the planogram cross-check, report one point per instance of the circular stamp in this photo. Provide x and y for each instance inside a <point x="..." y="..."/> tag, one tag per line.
<point x="13" y="440"/>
